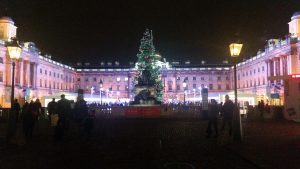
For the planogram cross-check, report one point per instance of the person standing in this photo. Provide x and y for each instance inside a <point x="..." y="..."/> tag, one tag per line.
<point x="213" y="113"/>
<point x="63" y="110"/>
<point x="80" y="113"/>
<point x="29" y="119"/>
<point x="227" y="112"/>
<point x="17" y="109"/>
<point x="38" y="108"/>
<point x="52" y="108"/>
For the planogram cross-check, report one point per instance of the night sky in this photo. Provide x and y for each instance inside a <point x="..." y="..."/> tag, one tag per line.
<point x="95" y="31"/>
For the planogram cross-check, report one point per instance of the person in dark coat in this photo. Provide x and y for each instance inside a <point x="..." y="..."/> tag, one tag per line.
<point x="38" y="108"/>
<point x="213" y="113"/>
<point x="28" y="119"/>
<point x="80" y="112"/>
<point x="63" y="110"/>
<point x="52" y="108"/>
<point x="17" y="109"/>
<point x="227" y="112"/>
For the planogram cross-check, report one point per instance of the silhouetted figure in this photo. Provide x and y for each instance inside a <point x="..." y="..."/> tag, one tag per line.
<point x="80" y="113"/>
<point x="213" y="113"/>
<point x="227" y="112"/>
<point x="17" y="109"/>
<point x="28" y="119"/>
<point x="52" y="108"/>
<point x="261" y="108"/>
<point x="38" y="108"/>
<point x="63" y="110"/>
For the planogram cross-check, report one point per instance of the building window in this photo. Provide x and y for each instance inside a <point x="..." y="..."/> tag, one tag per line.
<point x="169" y="87"/>
<point x="54" y="74"/>
<point x="219" y="87"/>
<point x="118" y="87"/>
<point x="78" y="79"/>
<point x="202" y="86"/>
<point x="95" y="79"/>
<point x="258" y="69"/>
<point x="126" y="87"/>
<point x="210" y="86"/>
<point x="227" y="77"/>
<point x="45" y="72"/>
<point x="1" y="59"/>
<point x="53" y="85"/>
<point x="186" y="78"/>
<point x="238" y="77"/>
<point x="202" y="78"/>
<point x="178" y="87"/>
<point x="219" y="78"/>
<point x="194" y="78"/>
<point x="262" y="68"/>
<point x="86" y="79"/>
<point x="254" y="71"/>
<point x="250" y="72"/>
<point x="228" y="87"/>
<point x="1" y="76"/>
<point x="263" y="81"/>
<point x="45" y="83"/>
<point x="178" y="78"/>
<point x="194" y="86"/>
<point x="41" y="83"/>
<point x="41" y="71"/>
<point x="49" y="73"/>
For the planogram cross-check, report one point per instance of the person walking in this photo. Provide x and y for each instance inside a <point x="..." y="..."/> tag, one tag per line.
<point x="63" y="110"/>
<point x="227" y="113"/>
<point x="213" y="112"/>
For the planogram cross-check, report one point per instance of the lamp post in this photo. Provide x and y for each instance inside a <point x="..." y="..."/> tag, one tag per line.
<point x="101" y="88"/>
<point x="184" y="90"/>
<point x="235" y="49"/>
<point x="14" y="52"/>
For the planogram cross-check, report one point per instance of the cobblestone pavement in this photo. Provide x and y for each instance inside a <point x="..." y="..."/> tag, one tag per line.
<point x="157" y="143"/>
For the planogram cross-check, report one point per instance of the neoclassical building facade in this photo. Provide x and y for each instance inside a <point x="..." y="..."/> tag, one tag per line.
<point x="260" y="77"/>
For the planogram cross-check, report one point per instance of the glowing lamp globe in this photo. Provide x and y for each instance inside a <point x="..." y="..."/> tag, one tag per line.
<point x="235" y="49"/>
<point x="14" y="50"/>
<point x="184" y="84"/>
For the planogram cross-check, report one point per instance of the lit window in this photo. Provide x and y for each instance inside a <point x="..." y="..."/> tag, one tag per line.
<point x="118" y="79"/>
<point x="126" y="78"/>
<point x="194" y="78"/>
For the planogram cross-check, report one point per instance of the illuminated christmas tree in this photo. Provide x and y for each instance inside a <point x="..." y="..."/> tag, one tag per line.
<point x="148" y="70"/>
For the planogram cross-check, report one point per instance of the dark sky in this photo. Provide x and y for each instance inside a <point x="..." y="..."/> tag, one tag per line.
<point x="192" y="30"/>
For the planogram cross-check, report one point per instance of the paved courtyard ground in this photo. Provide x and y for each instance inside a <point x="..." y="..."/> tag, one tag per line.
<point x="158" y="144"/>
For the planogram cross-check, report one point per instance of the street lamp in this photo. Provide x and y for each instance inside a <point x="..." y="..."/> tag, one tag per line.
<point x="235" y="49"/>
<point x="14" y="52"/>
<point x="184" y="90"/>
<point x="101" y="88"/>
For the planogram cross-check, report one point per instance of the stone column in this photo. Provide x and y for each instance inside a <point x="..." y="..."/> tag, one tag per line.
<point x="28" y="83"/>
<point x="22" y="73"/>
<point x="289" y="64"/>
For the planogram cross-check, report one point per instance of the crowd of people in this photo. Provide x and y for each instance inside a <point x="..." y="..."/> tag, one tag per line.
<point x="60" y="114"/>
